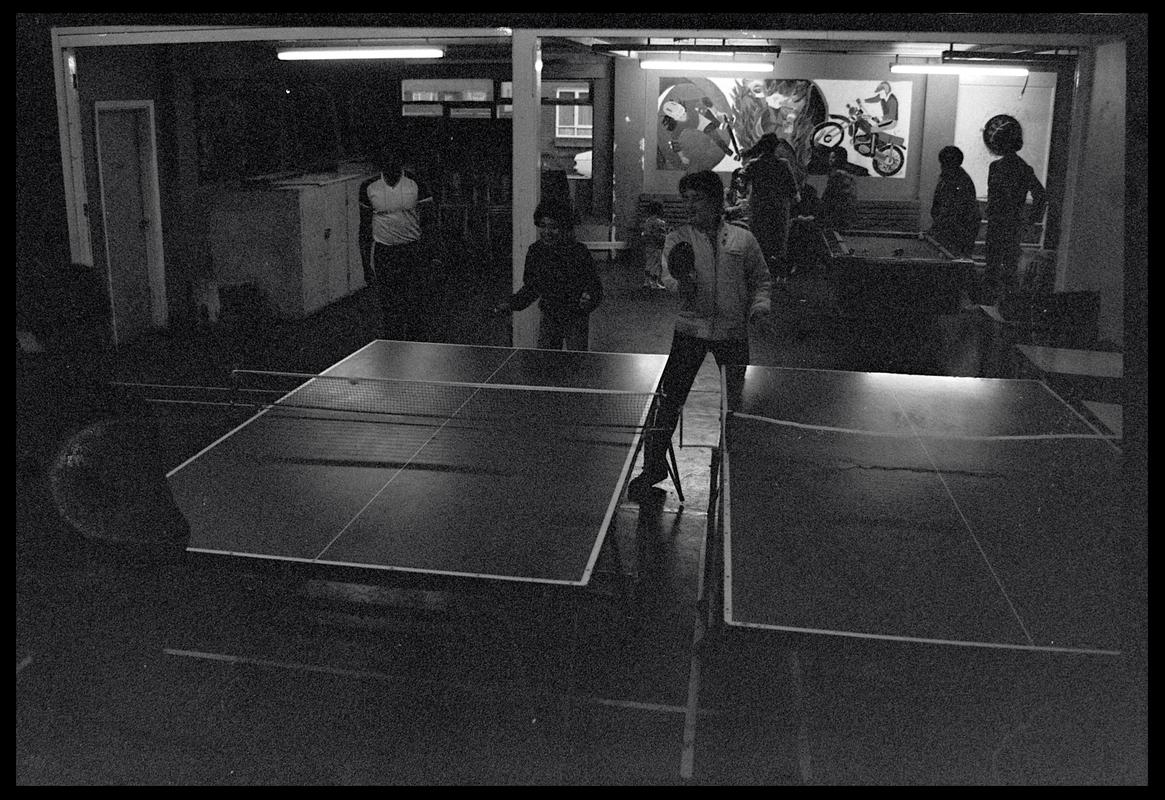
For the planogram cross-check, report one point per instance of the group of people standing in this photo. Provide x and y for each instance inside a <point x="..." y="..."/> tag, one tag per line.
<point x="770" y="196"/>
<point x="405" y="263"/>
<point x="957" y="215"/>
<point x="722" y="271"/>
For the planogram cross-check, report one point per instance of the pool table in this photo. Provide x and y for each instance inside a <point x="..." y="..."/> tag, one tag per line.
<point x="879" y="271"/>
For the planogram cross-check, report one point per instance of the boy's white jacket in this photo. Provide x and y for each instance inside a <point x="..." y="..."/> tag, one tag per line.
<point x="732" y="283"/>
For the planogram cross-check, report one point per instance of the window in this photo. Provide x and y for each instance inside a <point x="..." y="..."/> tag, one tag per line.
<point x="573" y="121"/>
<point x="457" y="98"/>
<point x="506" y="110"/>
<point x="448" y="90"/>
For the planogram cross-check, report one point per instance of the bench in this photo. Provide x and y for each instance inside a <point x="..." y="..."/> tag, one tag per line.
<point x="675" y="213"/>
<point x="607" y="248"/>
<point x="872" y="215"/>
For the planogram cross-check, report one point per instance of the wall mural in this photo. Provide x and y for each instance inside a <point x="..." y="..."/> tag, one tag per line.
<point x="707" y="123"/>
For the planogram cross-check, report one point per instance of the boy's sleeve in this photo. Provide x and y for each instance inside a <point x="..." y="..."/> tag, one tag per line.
<point x="364" y="230"/>
<point x="362" y="195"/>
<point x="760" y="282"/>
<point x="531" y="279"/>
<point x="672" y="238"/>
<point x="594" y="282"/>
<point x="1039" y="195"/>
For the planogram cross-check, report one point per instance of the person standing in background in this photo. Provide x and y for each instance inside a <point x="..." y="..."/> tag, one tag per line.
<point x="955" y="207"/>
<point x="1010" y="180"/>
<point x="397" y="212"/>
<point x="839" y="201"/>
<point x="772" y="193"/>
<point x="788" y="154"/>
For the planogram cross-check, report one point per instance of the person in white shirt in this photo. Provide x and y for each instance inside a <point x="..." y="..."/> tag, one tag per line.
<point x="396" y="208"/>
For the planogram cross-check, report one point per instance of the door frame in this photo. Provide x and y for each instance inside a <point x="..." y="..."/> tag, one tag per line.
<point x="151" y="206"/>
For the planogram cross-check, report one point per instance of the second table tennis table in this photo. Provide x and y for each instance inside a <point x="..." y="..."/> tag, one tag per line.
<point x="972" y="511"/>
<point x="976" y="514"/>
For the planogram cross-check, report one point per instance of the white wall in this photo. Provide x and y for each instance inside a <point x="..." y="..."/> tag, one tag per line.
<point x="1093" y="247"/>
<point x="1029" y="100"/>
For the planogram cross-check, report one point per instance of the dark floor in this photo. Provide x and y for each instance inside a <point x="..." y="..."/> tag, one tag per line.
<point x="181" y="676"/>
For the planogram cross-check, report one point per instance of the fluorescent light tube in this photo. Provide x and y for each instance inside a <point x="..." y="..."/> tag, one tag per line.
<point x="728" y="66"/>
<point x="957" y="69"/>
<point x="348" y="53"/>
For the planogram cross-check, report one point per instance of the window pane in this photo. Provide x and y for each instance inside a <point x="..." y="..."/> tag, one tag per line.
<point x="559" y="90"/>
<point x="585" y="115"/>
<point x="422" y="110"/>
<point x="471" y="113"/>
<point x="429" y="89"/>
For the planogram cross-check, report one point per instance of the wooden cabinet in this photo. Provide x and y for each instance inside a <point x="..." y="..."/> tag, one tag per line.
<point x="296" y="239"/>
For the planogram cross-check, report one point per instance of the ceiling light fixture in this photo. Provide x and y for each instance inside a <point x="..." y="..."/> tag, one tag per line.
<point x="958" y="69"/>
<point x="735" y="66"/>
<point x="1023" y="59"/>
<point x="676" y="55"/>
<point x="352" y="53"/>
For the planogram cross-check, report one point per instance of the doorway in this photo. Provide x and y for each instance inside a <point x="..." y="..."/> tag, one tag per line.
<point x="127" y="172"/>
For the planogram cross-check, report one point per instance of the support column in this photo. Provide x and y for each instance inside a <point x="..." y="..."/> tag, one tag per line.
<point x="527" y="167"/>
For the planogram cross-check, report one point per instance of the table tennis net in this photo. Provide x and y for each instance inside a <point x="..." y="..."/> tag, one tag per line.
<point x="460" y="402"/>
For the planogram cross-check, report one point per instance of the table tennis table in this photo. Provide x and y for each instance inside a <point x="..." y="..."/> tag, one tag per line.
<point x="924" y="515"/>
<point x="429" y="460"/>
<point x="977" y="512"/>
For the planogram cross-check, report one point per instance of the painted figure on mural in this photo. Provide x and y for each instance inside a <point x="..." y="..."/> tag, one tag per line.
<point x="791" y="109"/>
<point x="887" y="117"/>
<point x="695" y="126"/>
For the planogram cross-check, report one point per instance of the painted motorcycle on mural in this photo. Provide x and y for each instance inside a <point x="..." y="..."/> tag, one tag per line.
<point x="887" y="151"/>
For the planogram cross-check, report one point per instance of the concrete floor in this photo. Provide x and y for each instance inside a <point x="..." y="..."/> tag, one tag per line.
<point x="176" y="676"/>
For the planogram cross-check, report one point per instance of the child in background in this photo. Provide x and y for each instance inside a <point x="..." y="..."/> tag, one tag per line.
<point x="955" y="206"/>
<point x="736" y="200"/>
<point x="654" y="232"/>
<point x="560" y="274"/>
<point x="838" y="209"/>
<point x="1010" y="180"/>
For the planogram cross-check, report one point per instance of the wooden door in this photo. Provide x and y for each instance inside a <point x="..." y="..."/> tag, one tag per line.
<point x="131" y="216"/>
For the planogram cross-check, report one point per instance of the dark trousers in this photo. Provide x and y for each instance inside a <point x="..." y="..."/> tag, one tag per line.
<point x="807" y="246"/>
<point x="1003" y="252"/>
<point x="769" y="223"/>
<point x="401" y="275"/>
<point x="683" y="363"/>
<point x="573" y="332"/>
